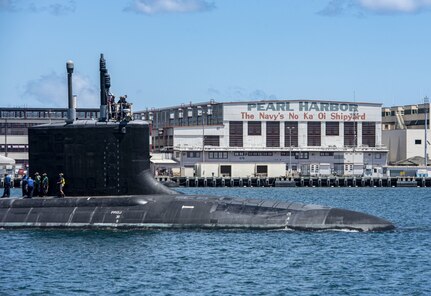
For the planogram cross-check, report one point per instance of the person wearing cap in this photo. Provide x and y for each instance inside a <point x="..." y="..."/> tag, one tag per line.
<point x="60" y="183"/>
<point x="111" y="106"/>
<point x="45" y="184"/>
<point x="6" y="185"/>
<point x="37" y="184"/>
<point x="123" y="104"/>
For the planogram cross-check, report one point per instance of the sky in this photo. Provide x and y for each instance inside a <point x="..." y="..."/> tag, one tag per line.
<point x="170" y="52"/>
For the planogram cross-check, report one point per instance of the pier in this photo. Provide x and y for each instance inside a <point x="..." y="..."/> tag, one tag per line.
<point x="297" y="182"/>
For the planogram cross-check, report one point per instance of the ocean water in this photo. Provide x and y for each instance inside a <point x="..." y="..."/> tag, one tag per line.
<point x="202" y="262"/>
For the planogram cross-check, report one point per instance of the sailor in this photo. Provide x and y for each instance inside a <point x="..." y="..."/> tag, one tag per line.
<point x="45" y="184"/>
<point x="24" y="185"/>
<point x="37" y="184"/>
<point x="30" y="187"/>
<point x="111" y="106"/>
<point x="6" y="183"/>
<point x="123" y="107"/>
<point x="60" y="183"/>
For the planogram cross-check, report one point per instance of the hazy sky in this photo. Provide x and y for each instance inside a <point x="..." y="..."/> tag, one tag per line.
<point x="169" y="52"/>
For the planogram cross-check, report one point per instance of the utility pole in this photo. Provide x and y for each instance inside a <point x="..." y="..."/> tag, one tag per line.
<point x="5" y="138"/>
<point x="290" y="128"/>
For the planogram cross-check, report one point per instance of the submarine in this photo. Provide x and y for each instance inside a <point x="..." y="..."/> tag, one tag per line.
<point x="109" y="185"/>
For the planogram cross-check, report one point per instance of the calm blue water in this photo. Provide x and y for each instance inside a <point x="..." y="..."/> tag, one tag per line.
<point x="52" y="262"/>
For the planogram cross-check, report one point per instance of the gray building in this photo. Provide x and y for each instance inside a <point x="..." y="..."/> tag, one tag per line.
<point x="14" y="123"/>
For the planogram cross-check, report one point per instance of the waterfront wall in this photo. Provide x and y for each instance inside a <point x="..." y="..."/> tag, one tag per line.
<point x="298" y="182"/>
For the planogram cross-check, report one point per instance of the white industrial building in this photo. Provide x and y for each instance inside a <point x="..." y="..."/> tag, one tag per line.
<point x="305" y="136"/>
<point x="404" y="132"/>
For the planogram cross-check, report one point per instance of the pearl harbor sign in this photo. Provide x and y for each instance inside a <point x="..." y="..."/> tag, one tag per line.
<point x="302" y="111"/>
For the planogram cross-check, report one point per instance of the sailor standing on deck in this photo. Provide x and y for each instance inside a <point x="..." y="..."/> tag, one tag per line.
<point x="6" y="183"/>
<point x="24" y="182"/>
<point x="30" y="187"/>
<point x="60" y="183"/>
<point x="45" y="185"/>
<point x="37" y="184"/>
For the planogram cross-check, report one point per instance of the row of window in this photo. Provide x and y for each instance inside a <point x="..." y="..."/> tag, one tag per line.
<point x="255" y="128"/>
<point x="295" y="154"/>
<point x="314" y="133"/>
<point x="184" y="116"/>
<point x="406" y="112"/>
<point x="217" y="155"/>
<point x="54" y="114"/>
<point x="14" y="148"/>
<point x="253" y="153"/>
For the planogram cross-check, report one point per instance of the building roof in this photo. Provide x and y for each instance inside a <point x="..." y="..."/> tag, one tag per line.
<point x="412" y="161"/>
<point x="297" y="100"/>
<point x="212" y="102"/>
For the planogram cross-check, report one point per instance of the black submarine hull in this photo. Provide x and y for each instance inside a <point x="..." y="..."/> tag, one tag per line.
<point x="179" y="212"/>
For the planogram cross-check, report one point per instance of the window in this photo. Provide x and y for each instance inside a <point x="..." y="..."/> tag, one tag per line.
<point x="240" y="153"/>
<point x="254" y="128"/>
<point x="332" y="128"/>
<point x="418" y="142"/>
<point x="259" y="153"/>
<point x="273" y="134"/>
<point x="291" y="134"/>
<point x="326" y="153"/>
<point x="350" y="132"/>
<point x="262" y="170"/>
<point x="369" y="134"/>
<point x="193" y="154"/>
<point x="212" y="140"/>
<point x="226" y="170"/>
<point x="235" y="134"/>
<point x="301" y="155"/>
<point x="14" y="148"/>
<point x="314" y="134"/>
<point x="217" y="155"/>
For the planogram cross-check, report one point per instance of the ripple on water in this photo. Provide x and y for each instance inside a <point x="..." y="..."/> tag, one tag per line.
<point x="206" y="262"/>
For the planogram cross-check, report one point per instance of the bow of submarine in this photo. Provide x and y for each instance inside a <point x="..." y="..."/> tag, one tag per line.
<point x="338" y="219"/>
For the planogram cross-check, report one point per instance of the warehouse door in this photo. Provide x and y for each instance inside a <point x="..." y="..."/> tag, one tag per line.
<point x="226" y="170"/>
<point x="261" y="171"/>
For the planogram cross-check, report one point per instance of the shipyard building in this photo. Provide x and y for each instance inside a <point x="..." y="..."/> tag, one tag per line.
<point x="268" y="138"/>
<point x="404" y="133"/>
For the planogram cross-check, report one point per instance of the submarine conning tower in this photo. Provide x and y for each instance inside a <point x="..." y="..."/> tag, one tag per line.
<point x="102" y="157"/>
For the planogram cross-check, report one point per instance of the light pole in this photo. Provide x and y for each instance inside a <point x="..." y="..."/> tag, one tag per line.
<point x="5" y="138"/>
<point x="203" y="138"/>
<point x="290" y="128"/>
<point x="426" y="103"/>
